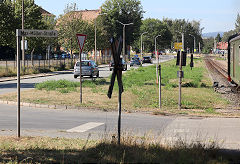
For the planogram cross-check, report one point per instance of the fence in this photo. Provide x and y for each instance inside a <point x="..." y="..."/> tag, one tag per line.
<point x="8" y="66"/>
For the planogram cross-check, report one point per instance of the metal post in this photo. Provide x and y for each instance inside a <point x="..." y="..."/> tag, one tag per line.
<point x="180" y="75"/>
<point x="194" y="45"/>
<point x="23" y="41"/>
<point x="156" y="58"/>
<point x="119" y="113"/>
<point x="80" y="70"/>
<point x="160" y="89"/>
<point x="95" y="51"/>
<point x="124" y="55"/>
<point x="199" y="48"/>
<point x="18" y="86"/>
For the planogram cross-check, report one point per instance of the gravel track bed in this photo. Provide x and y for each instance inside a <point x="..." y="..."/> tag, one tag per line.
<point x="222" y="86"/>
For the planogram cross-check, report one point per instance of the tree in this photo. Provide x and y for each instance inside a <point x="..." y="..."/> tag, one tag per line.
<point x="7" y="25"/>
<point x="189" y="29"/>
<point x="237" y="24"/>
<point x="154" y="27"/>
<point x="218" y="38"/>
<point x="68" y="26"/>
<point x="125" y="11"/>
<point x="208" y="45"/>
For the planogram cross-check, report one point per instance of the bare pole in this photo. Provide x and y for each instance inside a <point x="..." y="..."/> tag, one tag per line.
<point x="18" y="85"/>
<point x="95" y="51"/>
<point x="80" y="70"/>
<point x="180" y="75"/>
<point x="23" y="41"/>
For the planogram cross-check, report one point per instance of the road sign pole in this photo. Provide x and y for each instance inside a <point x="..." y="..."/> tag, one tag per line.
<point x="80" y="70"/>
<point x="18" y="85"/>
<point x="160" y="89"/>
<point x="119" y="108"/>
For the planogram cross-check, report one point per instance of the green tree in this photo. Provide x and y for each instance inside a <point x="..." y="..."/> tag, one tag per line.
<point x="125" y="11"/>
<point x="154" y="27"/>
<point x="237" y="24"/>
<point x="68" y="26"/>
<point x="208" y="45"/>
<point x="189" y="29"/>
<point x="218" y="38"/>
<point x="7" y="25"/>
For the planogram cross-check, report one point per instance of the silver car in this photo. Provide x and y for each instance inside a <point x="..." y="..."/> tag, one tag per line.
<point x="89" y="68"/>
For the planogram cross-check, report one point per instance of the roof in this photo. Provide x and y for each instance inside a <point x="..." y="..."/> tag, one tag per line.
<point x="222" y="45"/>
<point x="45" y="12"/>
<point x="87" y="15"/>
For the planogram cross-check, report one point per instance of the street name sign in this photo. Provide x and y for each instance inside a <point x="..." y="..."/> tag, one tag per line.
<point x="36" y="33"/>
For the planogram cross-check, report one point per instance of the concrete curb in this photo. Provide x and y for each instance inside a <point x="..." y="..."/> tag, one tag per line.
<point x="34" y="76"/>
<point x="40" y="105"/>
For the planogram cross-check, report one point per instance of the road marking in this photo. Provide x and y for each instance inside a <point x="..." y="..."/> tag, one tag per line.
<point x="85" y="127"/>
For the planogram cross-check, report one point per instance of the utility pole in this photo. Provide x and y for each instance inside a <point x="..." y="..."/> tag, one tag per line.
<point x="124" y="55"/>
<point x="23" y="41"/>
<point x="199" y="48"/>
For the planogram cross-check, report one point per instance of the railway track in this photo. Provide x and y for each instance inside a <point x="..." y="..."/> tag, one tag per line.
<point x="216" y="66"/>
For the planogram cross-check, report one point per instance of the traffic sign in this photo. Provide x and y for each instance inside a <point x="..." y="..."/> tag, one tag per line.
<point x="36" y="33"/>
<point x="177" y="45"/>
<point x="81" y="41"/>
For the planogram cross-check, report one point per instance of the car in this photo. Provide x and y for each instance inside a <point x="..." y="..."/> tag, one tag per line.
<point x="135" y="61"/>
<point x="65" y="56"/>
<point x="111" y="65"/>
<point x="147" y="59"/>
<point x="89" y="68"/>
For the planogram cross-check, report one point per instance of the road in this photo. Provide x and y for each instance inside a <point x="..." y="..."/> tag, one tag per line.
<point x="96" y="124"/>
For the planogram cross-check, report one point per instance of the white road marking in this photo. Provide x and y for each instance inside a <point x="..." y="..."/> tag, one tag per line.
<point x="85" y="127"/>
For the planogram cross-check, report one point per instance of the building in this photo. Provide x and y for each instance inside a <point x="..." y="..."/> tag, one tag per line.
<point x="222" y="47"/>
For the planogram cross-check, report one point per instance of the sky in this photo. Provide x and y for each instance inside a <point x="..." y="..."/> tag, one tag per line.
<point x="214" y="15"/>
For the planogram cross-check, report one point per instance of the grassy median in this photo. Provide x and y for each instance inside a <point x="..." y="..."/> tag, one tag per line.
<point x="132" y="150"/>
<point x="140" y="92"/>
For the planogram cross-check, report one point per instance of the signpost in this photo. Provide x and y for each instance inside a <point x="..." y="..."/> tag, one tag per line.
<point x="118" y="67"/>
<point x="27" y="33"/>
<point x="81" y="41"/>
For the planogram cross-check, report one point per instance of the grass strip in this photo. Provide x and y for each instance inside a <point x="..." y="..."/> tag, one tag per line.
<point x="131" y="150"/>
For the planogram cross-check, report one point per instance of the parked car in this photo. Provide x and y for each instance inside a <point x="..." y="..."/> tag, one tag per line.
<point x="111" y="65"/>
<point x="65" y="56"/>
<point x="135" y="61"/>
<point x="89" y="68"/>
<point x="147" y="59"/>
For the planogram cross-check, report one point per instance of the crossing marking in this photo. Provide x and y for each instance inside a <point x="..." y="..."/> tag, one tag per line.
<point x="85" y="127"/>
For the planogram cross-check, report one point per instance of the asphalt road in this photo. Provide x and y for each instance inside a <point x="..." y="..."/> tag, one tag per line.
<point x="97" y="124"/>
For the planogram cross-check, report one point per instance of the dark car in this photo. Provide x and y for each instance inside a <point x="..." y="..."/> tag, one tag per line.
<point x="111" y="65"/>
<point x="135" y="61"/>
<point x="147" y="59"/>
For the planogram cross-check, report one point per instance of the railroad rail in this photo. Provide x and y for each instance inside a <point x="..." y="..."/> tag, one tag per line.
<point x="216" y="66"/>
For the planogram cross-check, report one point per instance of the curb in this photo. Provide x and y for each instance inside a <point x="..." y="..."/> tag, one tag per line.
<point x="35" y="76"/>
<point x="40" y="105"/>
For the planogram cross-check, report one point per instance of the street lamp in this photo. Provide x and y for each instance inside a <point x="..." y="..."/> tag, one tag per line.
<point x="194" y="46"/>
<point x="124" y="25"/>
<point x="95" y="50"/>
<point x="141" y="42"/>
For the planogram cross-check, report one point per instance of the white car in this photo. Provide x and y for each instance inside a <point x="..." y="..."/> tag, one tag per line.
<point x="89" y="68"/>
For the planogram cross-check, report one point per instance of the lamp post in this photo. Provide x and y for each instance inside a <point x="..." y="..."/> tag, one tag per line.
<point x="194" y="43"/>
<point x="124" y="25"/>
<point x="158" y="74"/>
<point x="95" y="50"/>
<point x="141" y="42"/>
